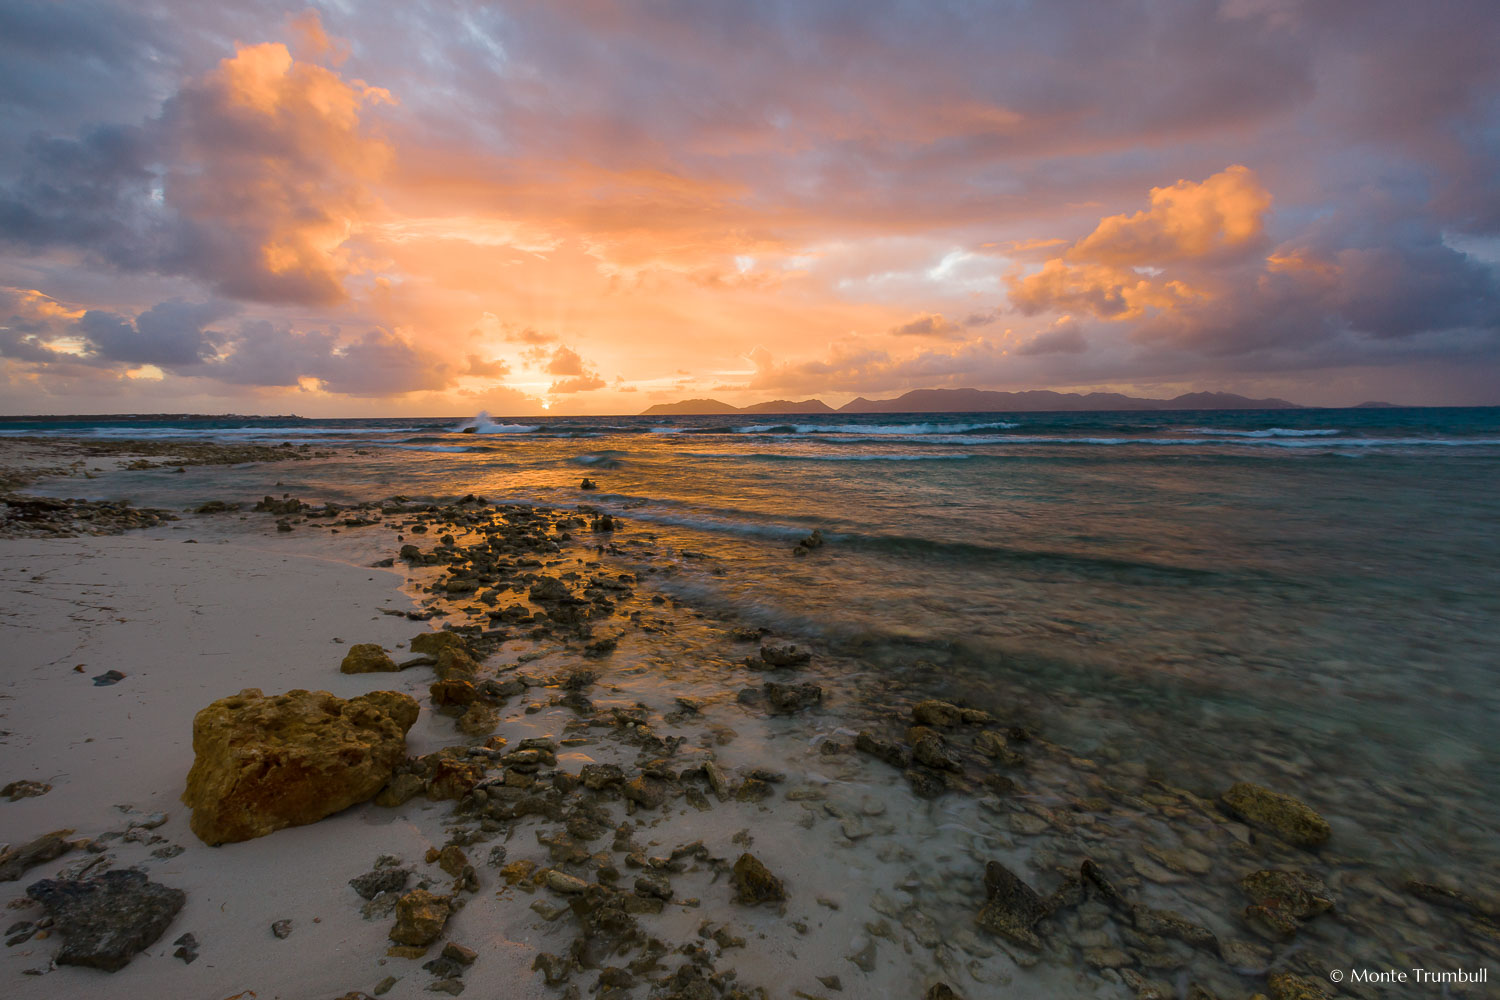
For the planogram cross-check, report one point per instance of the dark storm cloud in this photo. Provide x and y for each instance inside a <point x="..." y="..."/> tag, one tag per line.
<point x="169" y="334"/>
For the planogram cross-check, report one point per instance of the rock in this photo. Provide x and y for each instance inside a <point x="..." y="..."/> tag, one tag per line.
<point x="717" y="779"/>
<point x="994" y="745"/>
<point x="108" y="677"/>
<point x="924" y="784"/>
<point x="1013" y="907"/>
<point x="1294" y="821"/>
<point x="25" y="789"/>
<point x="452" y="860"/>
<point x="940" y="991"/>
<point x="554" y="968"/>
<point x="420" y="917"/>
<point x="452" y="692"/>
<point x="646" y="791"/>
<point x="401" y="789"/>
<point x="887" y="750"/>
<point x="434" y="643"/>
<point x="653" y="885"/>
<point x="455" y="663"/>
<point x="1284" y="898"/>
<point x="936" y="713"/>
<point x="282" y="929"/>
<point x="784" y="656"/>
<point x="563" y="882"/>
<point x="15" y="861"/>
<point x="187" y="948"/>
<point x="588" y="484"/>
<point x="458" y="953"/>
<point x="788" y="698"/>
<point x="367" y="658"/>
<point x="548" y="589"/>
<point x="754" y="883"/>
<point x="448" y="778"/>
<point x="384" y="986"/>
<point x="1285" y="986"/>
<point x="930" y="749"/>
<point x="107" y="920"/>
<point x="373" y="883"/>
<point x="263" y="763"/>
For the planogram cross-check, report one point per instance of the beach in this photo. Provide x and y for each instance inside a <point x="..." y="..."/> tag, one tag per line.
<point x="642" y="714"/>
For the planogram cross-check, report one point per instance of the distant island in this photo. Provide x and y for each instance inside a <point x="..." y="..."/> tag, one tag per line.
<point x="984" y="401"/>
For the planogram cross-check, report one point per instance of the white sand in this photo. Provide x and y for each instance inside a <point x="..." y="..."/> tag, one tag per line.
<point x="188" y="624"/>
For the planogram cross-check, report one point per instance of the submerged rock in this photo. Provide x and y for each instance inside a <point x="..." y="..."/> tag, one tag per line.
<point x="754" y="883"/>
<point x="1284" y="898"/>
<point x="788" y="698"/>
<point x="887" y="750"/>
<point x="1013" y="907"/>
<point x="784" y="656"/>
<point x="1294" y="821"/>
<point x="367" y="658"/>
<point x="107" y="920"/>
<point x="263" y="763"/>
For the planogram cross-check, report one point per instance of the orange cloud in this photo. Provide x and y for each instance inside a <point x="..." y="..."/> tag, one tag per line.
<point x="1118" y="271"/>
<point x="272" y="166"/>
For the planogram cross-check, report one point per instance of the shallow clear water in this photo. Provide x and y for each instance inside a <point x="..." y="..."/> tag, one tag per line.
<point x="1309" y="598"/>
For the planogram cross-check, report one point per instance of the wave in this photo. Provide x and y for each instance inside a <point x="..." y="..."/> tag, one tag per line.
<point x="1269" y="432"/>
<point x="885" y="430"/>
<point x="813" y="457"/>
<point x="600" y="459"/>
<point x="482" y="423"/>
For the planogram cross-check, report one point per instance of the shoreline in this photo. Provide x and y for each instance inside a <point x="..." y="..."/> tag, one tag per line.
<point x="881" y="872"/>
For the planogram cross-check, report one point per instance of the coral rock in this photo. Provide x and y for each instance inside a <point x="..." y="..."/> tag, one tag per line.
<point x="1294" y="821"/>
<point x="263" y="763"/>
<point x="367" y="658"/>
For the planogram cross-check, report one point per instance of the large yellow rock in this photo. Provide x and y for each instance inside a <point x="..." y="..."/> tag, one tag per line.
<point x="263" y="763"/>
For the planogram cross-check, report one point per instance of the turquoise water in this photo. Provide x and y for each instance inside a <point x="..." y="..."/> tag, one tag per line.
<point x="1311" y="595"/>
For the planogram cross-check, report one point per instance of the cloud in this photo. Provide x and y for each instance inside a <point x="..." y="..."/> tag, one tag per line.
<point x="169" y="334"/>
<point x="480" y="368"/>
<point x="933" y="325"/>
<point x="581" y="383"/>
<point x="1063" y="338"/>
<point x="565" y="361"/>
<point x="1119" y="270"/>
<point x="249" y="179"/>
<point x="583" y="377"/>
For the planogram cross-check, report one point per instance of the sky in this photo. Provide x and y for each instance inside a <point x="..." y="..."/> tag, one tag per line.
<point x="580" y="206"/>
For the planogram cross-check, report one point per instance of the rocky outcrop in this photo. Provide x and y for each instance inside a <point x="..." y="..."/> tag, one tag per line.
<point x="367" y="658"/>
<point x="105" y="921"/>
<point x="263" y="763"/>
<point x="1294" y="821"/>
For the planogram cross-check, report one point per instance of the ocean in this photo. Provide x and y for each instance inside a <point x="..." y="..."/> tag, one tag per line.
<point x="1304" y="598"/>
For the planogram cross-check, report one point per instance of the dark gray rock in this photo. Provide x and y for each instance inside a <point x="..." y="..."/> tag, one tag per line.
<point x="105" y="921"/>
<point x="373" y="883"/>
